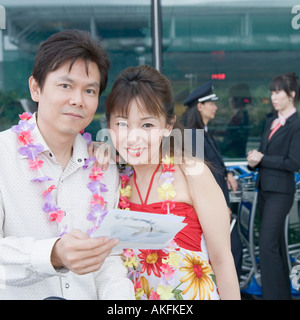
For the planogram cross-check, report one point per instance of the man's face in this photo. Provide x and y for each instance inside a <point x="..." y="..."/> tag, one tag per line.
<point x="69" y="98"/>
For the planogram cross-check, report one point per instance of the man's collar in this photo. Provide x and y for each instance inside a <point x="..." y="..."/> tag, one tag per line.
<point x="79" y="154"/>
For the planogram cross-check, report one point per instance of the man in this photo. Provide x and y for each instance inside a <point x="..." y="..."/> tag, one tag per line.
<point x="44" y="246"/>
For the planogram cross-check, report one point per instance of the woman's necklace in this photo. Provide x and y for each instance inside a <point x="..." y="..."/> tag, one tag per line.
<point x="166" y="190"/>
<point x="55" y="214"/>
<point x="166" y="193"/>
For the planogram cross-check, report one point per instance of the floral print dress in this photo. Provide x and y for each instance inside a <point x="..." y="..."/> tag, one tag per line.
<point x="182" y="271"/>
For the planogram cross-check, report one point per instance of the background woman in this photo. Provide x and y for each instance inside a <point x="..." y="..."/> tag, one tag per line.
<point x="277" y="159"/>
<point x="140" y="114"/>
<point x="201" y="109"/>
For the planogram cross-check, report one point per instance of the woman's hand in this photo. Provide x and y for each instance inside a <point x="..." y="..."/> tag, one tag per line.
<point x="103" y="153"/>
<point x="231" y="182"/>
<point x="254" y="158"/>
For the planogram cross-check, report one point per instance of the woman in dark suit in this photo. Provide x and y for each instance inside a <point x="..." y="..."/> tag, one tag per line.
<point x="277" y="159"/>
<point x="201" y="108"/>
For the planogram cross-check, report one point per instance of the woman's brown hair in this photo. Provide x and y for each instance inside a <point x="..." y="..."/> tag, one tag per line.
<point x="287" y="82"/>
<point x="144" y="84"/>
<point x="153" y="93"/>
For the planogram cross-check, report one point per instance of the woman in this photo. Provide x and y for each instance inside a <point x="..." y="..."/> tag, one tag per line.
<point x="140" y="114"/>
<point x="202" y="109"/>
<point x="277" y="159"/>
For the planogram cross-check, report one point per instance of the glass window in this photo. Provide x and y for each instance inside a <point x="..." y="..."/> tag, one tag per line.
<point x="231" y="43"/>
<point x="124" y="26"/>
<point x="237" y="45"/>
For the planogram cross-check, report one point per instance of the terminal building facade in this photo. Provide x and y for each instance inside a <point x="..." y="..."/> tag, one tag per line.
<point x="238" y="45"/>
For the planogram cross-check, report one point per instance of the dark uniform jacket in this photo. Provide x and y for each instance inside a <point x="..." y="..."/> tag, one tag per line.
<point x="213" y="158"/>
<point x="281" y="156"/>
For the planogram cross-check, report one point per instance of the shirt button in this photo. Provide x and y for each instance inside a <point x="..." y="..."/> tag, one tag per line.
<point x="67" y="286"/>
<point x="50" y="154"/>
<point x="79" y="160"/>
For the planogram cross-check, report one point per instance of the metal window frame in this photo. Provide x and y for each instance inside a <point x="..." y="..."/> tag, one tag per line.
<point x="156" y="19"/>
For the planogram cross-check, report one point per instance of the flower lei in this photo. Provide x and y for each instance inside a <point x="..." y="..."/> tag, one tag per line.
<point x="32" y="151"/>
<point x="171" y="259"/>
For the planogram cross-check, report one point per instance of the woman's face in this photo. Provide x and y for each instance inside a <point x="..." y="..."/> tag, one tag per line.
<point x="138" y="136"/>
<point x="208" y="111"/>
<point x="281" y="101"/>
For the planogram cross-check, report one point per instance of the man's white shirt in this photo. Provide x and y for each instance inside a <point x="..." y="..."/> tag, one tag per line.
<point x="27" y="236"/>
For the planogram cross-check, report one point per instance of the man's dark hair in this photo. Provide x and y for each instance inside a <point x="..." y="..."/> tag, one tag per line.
<point x="70" y="45"/>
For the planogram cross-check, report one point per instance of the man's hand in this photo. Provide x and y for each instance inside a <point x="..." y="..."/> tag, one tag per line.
<point x="81" y="254"/>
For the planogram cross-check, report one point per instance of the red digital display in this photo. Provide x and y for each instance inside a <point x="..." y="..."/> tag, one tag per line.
<point x="218" y="76"/>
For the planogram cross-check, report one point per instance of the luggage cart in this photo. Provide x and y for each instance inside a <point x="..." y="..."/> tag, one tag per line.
<point x="294" y="247"/>
<point x="250" y="282"/>
<point x="238" y="170"/>
<point x="250" y="278"/>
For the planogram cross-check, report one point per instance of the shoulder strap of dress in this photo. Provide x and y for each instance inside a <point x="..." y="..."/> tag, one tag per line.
<point x="149" y="188"/>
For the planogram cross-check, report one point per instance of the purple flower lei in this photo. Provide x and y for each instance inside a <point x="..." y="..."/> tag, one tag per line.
<point x="32" y="152"/>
